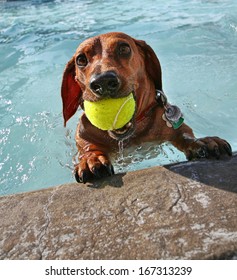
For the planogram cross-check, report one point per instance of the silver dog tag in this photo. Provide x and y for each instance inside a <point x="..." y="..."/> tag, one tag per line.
<point x="174" y="115"/>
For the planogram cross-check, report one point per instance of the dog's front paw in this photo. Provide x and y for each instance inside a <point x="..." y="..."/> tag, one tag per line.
<point x="208" y="147"/>
<point x="93" y="165"/>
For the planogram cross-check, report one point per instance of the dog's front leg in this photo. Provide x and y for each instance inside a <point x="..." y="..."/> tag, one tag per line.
<point x="93" y="162"/>
<point x="206" y="147"/>
<point x="93" y="157"/>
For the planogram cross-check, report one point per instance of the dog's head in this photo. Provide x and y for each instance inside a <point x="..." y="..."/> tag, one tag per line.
<point x="109" y="65"/>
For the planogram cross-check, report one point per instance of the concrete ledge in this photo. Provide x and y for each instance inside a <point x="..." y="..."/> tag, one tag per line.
<point x="182" y="211"/>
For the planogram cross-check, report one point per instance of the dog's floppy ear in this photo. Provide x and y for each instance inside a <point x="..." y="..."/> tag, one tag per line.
<point x="70" y="91"/>
<point x="152" y="63"/>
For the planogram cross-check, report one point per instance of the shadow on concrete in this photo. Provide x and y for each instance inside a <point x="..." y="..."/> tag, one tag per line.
<point x="115" y="181"/>
<point x="221" y="174"/>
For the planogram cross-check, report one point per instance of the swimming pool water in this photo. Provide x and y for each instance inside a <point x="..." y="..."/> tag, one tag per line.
<point x="196" y="42"/>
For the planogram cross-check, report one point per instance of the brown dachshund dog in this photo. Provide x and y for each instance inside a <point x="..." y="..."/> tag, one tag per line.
<point x="114" y="65"/>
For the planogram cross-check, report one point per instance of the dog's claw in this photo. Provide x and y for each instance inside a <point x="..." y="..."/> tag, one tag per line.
<point x="77" y="177"/>
<point x="109" y="169"/>
<point x="96" y="172"/>
<point x="228" y="149"/>
<point x="217" y="152"/>
<point x="202" y="153"/>
<point x="83" y="178"/>
<point x="102" y="171"/>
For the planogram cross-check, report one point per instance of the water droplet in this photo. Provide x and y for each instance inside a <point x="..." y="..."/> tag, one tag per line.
<point x="121" y="148"/>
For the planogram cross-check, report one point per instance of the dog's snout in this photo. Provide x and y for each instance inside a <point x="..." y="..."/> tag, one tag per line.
<point x="104" y="84"/>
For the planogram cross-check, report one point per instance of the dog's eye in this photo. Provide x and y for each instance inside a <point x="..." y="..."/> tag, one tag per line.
<point x="81" y="60"/>
<point x="124" y="49"/>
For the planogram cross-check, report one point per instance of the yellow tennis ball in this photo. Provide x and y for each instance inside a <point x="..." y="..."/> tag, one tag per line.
<point x="111" y="113"/>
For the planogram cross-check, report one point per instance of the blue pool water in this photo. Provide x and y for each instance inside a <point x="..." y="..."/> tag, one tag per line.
<point x="196" y="42"/>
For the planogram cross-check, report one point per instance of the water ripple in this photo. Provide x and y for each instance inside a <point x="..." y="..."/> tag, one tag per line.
<point x="197" y="47"/>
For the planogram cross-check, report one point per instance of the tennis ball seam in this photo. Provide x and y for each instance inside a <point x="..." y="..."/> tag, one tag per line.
<point x="119" y="111"/>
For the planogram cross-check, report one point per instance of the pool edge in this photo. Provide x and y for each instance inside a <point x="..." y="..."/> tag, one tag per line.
<point x="181" y="211"/>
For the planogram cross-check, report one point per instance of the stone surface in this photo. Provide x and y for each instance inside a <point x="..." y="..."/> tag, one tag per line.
<point x="182" y="211"/>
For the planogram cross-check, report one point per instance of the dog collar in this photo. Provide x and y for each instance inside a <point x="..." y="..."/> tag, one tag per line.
<point x="146" y="112"/>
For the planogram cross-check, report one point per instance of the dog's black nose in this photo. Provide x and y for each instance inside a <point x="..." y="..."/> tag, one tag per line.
<point x="105" y="84"/>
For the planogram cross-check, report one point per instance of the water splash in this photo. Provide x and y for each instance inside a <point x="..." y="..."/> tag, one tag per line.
<point x="121" y="149"/>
